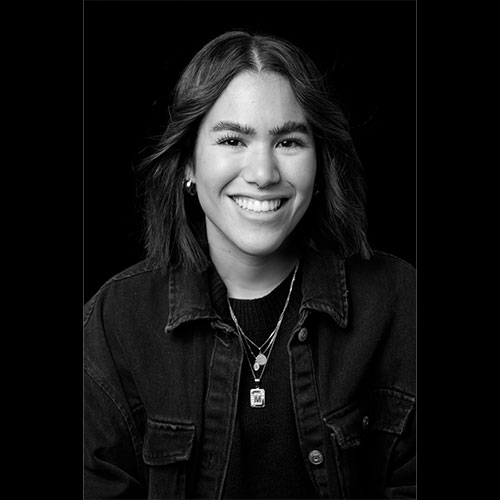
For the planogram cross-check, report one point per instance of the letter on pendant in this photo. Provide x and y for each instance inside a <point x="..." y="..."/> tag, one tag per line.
<point x="257" y="398"/>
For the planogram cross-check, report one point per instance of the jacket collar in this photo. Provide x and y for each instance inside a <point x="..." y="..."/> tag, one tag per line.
<point x="189" y="298"/>
<point x="324" y="286"/>
<point x="324" y="289"/>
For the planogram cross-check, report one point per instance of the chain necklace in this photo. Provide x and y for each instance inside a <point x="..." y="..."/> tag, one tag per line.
<point x="262" y="353"/>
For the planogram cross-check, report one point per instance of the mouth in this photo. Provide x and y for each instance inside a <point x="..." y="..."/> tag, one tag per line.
<point x="257" y="206"/>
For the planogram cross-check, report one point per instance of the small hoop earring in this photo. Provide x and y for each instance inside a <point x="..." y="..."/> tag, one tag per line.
<point x="190" y="186"/>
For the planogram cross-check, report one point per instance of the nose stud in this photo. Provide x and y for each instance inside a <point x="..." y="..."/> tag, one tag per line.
<point x="258" y="187"/>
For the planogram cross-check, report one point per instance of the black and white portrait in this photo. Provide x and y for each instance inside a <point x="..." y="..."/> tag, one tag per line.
<point x="249" y="324"/>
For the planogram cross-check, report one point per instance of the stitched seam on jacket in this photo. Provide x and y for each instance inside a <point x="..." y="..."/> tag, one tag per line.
<point x="105" y="387"/>
<point x="119" y="277"/>
<point x="395" y="257"/>
<point x="396" y="393"/>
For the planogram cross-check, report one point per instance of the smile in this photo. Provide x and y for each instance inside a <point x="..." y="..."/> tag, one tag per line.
<point x="254" y="205"/>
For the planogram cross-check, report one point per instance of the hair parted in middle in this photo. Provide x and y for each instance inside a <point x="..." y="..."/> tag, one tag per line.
<point x="174" y="231"/>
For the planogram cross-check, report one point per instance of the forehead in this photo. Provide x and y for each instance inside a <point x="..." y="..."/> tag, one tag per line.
<point x="257" y="98"/>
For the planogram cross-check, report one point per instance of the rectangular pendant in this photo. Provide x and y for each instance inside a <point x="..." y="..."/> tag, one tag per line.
<point x="257" y="398"/>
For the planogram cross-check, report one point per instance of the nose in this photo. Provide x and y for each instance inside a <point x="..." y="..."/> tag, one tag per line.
<point x="262" y="168"/>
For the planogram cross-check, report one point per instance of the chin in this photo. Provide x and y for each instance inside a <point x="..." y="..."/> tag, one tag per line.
<point x="262" y="248"/>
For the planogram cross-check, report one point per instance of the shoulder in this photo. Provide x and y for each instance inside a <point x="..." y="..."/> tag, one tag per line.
<point x="393" y="261"/>
<point x="382" y="273"/>
<point x="131" y="285"/>
<point x="380" y="263"/>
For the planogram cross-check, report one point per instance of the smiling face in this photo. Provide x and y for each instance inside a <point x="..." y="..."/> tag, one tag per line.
<point x="255" y="136"/>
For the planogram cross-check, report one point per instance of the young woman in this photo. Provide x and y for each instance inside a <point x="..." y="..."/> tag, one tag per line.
<point x="263" y="349"/>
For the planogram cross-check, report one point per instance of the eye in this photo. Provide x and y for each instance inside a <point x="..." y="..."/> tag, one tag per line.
<point x="290" y="143"/>
<point x="230" y="140"/>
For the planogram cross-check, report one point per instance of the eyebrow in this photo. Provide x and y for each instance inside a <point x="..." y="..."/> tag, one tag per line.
<point x="290" y="127"/>
<point x="287" y="128"/>
<point x="233" y="127"/>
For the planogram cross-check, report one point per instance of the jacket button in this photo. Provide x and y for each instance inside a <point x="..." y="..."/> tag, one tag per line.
<point x="315" y="457"/>
<point x="366" y="421"/>
<point x="303" y="334"/>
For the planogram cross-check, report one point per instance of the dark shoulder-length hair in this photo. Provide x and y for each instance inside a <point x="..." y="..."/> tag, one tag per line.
<point x="174" y="230"/>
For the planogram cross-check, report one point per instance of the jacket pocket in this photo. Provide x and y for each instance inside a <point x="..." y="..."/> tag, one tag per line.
<point x="363" y="437"/>
<point x="346" y="435"/>
<point x="389" y="454"/>
<point x="166" y="451"/>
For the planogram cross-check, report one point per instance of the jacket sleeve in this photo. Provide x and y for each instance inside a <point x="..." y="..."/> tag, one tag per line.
<point x="401" y="479"/>
<point x="401" y="362"/>
<point x="112" y="444"/>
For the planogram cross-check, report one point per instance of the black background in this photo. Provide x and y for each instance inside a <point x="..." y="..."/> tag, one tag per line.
<point x="370" y="52"/>
<point x="133" y="55"/>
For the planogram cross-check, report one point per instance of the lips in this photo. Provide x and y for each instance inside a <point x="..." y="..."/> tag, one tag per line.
<point x="253" y="205"/>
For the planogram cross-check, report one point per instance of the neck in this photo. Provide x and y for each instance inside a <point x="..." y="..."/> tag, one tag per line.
<point x="252" y="277"/>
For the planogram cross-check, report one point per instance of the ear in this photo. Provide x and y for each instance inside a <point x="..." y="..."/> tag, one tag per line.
<point x="189" y="170"/>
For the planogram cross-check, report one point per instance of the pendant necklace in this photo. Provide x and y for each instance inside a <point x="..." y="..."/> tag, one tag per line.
<point x="260" y="354"/>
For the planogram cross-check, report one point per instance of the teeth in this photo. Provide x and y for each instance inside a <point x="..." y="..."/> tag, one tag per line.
<point x="256" y="205"/>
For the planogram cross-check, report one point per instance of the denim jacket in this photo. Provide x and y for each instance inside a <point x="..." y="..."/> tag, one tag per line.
<point x="162" y="376"/>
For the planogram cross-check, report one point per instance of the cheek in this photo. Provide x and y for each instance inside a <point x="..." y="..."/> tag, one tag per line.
<point x="205" y="168"/>
<point x="211" y="173"/>
<point x="305" y="175"/>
